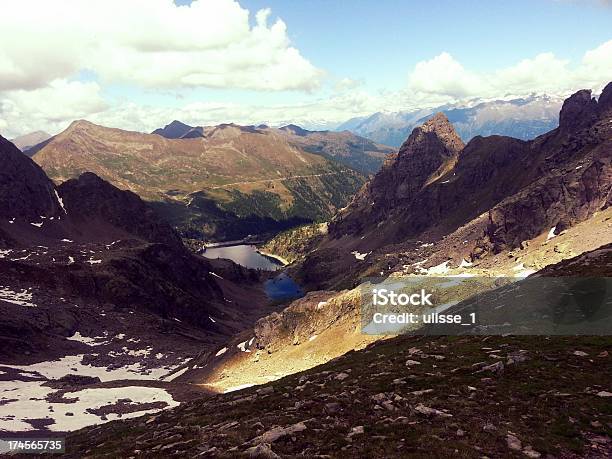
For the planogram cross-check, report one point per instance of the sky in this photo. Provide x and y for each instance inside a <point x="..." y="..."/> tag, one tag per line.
<point x="139" y="64"/>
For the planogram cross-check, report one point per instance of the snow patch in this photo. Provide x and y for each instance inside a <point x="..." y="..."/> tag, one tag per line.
<point x="95" y="341"/>
<point x="60" y="201"/>
<point x="22" y="298"/>
<point x="177" y="374"/>
<point x="221" y="352"/>
<point x="360" y="256"/>
<point x="442" y="268"/>
<point x="214" y="274"/>
<point x="551" y="233"/>
<point x="29" y="402"/>
<point x="38" y="225"/>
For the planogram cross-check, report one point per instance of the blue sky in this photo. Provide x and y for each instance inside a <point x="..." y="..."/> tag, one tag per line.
<point x="315" y="63"/>
<point x="381" y="41"/>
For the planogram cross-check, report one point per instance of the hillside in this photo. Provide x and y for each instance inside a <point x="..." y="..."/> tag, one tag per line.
<point x="369" y="403"/>
<point x="232" y="182"/>
<point x="471" y="202"/>
<point x="485" y="218"/>
<point x="356" y="152"/>
<point x="99" y="295"/>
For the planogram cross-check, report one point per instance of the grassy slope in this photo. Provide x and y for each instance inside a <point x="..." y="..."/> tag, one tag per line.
<point x="549" y="402"/>
<point x="293" y="244"/>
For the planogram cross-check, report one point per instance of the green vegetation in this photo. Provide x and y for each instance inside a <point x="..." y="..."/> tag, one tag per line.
<point x="231" y="213"/>
<point x="296" y="242"/>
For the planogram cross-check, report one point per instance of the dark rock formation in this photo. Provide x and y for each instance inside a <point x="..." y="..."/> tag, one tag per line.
<point x="578" y="111"/>
<point x="516" y="190"/>
<point x="429" y="152"/>
<point x="25" y="190"/>
<point x="89" y="200"/>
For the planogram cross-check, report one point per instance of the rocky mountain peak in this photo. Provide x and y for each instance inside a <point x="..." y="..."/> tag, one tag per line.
<point x="297" y="130"/>
<point x="436" y="135"/>
<point x="80" y="124"/>
<point x="25" y="190"/>
<point x="437" y="123"/>
<point x="605" y="99"/>
<point x="27" y="141"/>
<point x="578" y="111"/>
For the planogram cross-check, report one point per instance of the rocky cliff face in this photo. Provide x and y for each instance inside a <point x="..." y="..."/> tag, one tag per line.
<point x="505" y="190"/>
<point x="576" y="179"/>
<point x="578" y="111"/>
<point x="429" y="152"/>
<point x="25" y="190"/>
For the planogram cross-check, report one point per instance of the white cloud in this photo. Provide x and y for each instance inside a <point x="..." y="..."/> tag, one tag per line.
<point x="48" y="108"/>
<point x="320" y="113"/>
<point x="148" y="42"/>
<point x="238" y="56"/>
<point x="444" y="77"/>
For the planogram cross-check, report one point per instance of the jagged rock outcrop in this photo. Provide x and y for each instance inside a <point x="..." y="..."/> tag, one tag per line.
<point x="574" y="183"/>
<point x="604" y="102"/>
<point x="578" y="111"/>
<point x="429" y="152"/>
<point x="25" y="190"/>
<point x="92" y="201"/>
<point x="511" y="190"/>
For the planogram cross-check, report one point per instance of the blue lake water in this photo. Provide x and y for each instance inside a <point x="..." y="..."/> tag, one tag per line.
<point x="245" y="255"/>
<point x="282" y="287"/>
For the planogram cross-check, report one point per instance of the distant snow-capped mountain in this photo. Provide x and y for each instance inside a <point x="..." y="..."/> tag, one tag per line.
<point x="523" y="118"/>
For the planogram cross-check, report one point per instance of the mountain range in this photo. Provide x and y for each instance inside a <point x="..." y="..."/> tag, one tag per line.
<point x="109" y="316"/>
<point x="476" y="199"/>
<point x="524" y="118"/>
<point x="228" y="181"/>
<point x="349" y="149"/>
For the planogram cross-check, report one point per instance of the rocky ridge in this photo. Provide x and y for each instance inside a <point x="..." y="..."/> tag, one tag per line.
<point x="499" y="193"/>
